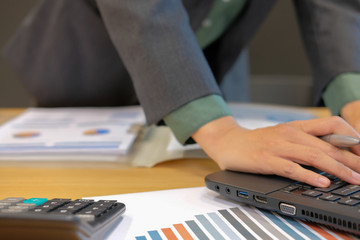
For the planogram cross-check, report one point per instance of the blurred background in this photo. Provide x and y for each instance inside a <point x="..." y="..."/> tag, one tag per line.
<point x="278" y="67"/>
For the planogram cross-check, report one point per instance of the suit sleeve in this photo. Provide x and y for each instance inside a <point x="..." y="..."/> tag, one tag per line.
<point x="331" y="34"/>
<point x="159" y="49"/>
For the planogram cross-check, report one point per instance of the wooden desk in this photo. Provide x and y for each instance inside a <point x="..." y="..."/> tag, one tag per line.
<point x="63" y="181"/>
<point x="77" y="183"/>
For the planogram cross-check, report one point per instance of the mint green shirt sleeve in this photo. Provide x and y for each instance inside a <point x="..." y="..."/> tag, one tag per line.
<point x="186" y="120"/>
<point x="343" y="89"/>
<point x="190" y="117"/>
<point x="221" y="14"/>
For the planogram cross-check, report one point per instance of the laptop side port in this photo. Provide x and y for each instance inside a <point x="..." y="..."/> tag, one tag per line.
<point x="260" y="199"/>
<point x="287" y="208"/>
<point x="242" y="194"/>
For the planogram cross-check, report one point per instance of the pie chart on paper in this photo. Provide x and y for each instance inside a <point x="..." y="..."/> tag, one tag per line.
<point x="26" y="134"/>
<point x="96" y="131"/>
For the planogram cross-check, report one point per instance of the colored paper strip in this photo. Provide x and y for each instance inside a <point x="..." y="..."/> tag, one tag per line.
<point x="267" y="225"/>
<point x="170" y="235"/>
<point x="237" y="225"/>
<point x="282" y="225"/>
<point x="321" y="231"/>
<point x="250" y="224"/>
<point x="154" y="235"/>
<point x="183" y="232"/>
<point x="223" y="226"/>
<point x="140" y="238"/>
<point x="197" y="230"/>
<point x="209" y="227"/>
<point x="302" y="228"/>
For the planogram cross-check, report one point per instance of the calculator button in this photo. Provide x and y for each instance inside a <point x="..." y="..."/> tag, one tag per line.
<point x="6" y="204"/>
<point x="75" y="205"/>
<point x="9" y="210"/>
<point x="105" y="205"/>
<point x="37" y="201"/>
<point x="30" y="205"/>
<point x="84" y="200"/>
<point x="37" y="210"/>
<point x="107" y="201"/>
<point x="47" y="207"/>
<point x="95" y="209"/>
<point x="24" y="207"/>
<point x="90" y="213"/>
<point x="71" y="207"/>
<point x="94" y="212"/>
<point x="55" y="203"/>
<point x="64" y="211"/>
<point x="13" y="200"/>
<point x="61" y="200"/>
<point x="58" y="201"/>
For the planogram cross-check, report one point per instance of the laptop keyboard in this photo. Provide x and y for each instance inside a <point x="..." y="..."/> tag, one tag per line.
<point x="339" y="191"/>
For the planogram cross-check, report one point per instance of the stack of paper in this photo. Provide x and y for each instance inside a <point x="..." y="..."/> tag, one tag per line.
<point x="61" y="131"/>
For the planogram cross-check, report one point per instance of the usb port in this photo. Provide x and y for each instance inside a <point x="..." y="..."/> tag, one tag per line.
<point x="242" y="194"/>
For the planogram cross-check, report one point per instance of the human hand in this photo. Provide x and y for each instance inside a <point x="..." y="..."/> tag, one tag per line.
<point x="281" y="149"/>
<point x="351" y="113"/>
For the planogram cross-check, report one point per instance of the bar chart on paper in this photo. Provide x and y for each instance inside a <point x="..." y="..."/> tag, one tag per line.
<point x="198" y="213"/>
<point x="242" y="223"/>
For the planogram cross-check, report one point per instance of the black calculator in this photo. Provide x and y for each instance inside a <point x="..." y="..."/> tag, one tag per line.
<point x="55" y="219"/>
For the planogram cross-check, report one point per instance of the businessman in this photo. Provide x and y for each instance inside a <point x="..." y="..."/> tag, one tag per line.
<point x="170" y="56"/>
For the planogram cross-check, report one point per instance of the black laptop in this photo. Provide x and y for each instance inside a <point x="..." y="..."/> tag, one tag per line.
<point x="337" y="206"/>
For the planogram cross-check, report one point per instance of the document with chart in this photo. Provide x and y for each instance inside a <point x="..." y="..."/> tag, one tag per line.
<point x="71" y="130"/>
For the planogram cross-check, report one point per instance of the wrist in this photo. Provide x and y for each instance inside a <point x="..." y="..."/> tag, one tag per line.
<point x="210" y="135"/>
<point x="351" y="113"/>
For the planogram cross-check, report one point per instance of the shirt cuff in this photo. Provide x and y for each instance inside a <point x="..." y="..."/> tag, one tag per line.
<point x="343" y="89"/>
<point x="190" y="117"/>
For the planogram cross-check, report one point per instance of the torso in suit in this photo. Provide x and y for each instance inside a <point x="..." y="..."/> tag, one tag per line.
<point x="87" y="53"/>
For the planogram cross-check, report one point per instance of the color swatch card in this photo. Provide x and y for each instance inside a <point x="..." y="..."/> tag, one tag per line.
<point x="71" y="130"/>
<point x="198" y="213"/>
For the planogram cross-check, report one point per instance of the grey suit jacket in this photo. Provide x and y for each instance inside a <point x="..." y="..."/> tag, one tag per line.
<point x="95" y="53"/>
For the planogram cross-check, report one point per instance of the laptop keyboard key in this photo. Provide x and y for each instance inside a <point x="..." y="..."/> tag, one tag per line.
<point x="355" y="196"/>
<point x="312" y="193"/>
<point x="291" y="188"/>
<point x="348" y="201"/>
<point x="329" y="197"/>
<point x="331" y="177"/>
<point x="332" y="187"/>
<point x="347" y="190"/>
